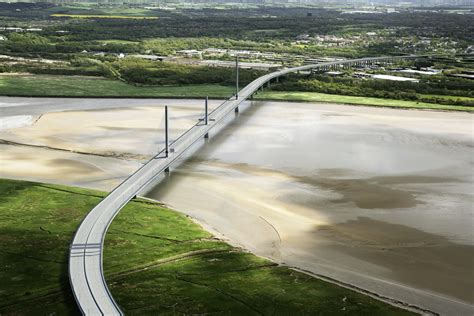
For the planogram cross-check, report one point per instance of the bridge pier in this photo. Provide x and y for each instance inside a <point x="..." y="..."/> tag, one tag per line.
<point x="206" y="115"/>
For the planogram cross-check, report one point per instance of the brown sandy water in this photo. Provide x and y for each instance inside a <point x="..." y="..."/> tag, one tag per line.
<point x="378" y="198"/>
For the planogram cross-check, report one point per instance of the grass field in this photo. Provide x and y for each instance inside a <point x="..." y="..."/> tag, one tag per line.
<point x="333" y="98"/>
<point x="156" y="261"/>
<point x="76" y="86"/>
<point x="79" y="86"/>
<point x="447" y="97"/>
<point x="92" y="16"/>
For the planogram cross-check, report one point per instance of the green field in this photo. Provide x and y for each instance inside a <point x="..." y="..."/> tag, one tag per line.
<point x="98" y="16"/>
<point x="78" y="86"/>
<point x="333" y="98"/>
<point x="156" y="261"/>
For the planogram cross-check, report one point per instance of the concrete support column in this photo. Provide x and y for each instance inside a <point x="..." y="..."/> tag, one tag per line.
<point x="206" y="111"/>
<point x="167" y="146"/>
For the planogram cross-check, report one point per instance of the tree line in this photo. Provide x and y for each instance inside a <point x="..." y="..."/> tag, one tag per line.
<point x="426" y="90"/>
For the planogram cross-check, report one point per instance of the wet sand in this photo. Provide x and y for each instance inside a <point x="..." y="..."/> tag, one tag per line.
<point x="94" y="143"/>
<point x="378" y="198"/>
<point x="43" y="165"/>
<point x="104" y="131"/>
<point x="403" y="250"/>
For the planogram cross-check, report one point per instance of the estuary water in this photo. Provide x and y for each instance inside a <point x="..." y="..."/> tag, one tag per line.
<point x="378" y="198"/>
<point x="381" y="199"/>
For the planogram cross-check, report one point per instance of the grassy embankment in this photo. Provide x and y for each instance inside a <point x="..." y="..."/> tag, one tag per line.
<point x="70" y="86"/>
<point x="157" y="261"/>
<point x="345" y="99"/>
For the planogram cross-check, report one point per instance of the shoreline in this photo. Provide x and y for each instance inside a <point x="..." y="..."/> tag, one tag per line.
<point x="255" y="99"/>
<point x="220" y="236"/>
<point x="185" y="247"/>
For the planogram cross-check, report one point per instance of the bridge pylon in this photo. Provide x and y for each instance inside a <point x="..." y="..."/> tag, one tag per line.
<point x="237" y="77"/>
<point x="167" y="144"/>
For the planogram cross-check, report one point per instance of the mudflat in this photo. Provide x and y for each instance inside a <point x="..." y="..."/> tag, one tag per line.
<point x="93" y="143"/>
<point x="378" y="198"/>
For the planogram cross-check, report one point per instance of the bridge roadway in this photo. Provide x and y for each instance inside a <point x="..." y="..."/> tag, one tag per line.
<point x="86" y="251"/>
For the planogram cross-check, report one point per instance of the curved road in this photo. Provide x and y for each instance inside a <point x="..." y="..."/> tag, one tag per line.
<point x="85" y="257"/>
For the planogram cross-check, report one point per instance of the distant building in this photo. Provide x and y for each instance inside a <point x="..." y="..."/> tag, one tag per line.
<point x="361" y="75"/>
<point x="215" y="51"/>
<point x="464" y="75"/>
<point x="334" y="73"/>
<point x="189" y="53"/>
<point x="243" y="65"/>
<point x="395" y="78"/>
<point x="150" y="57"/>
<point x="425" y="71"/>
<point x="11" y="29"/>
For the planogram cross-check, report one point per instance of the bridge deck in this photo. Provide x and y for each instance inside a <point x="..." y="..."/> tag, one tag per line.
<point x="85" y="258"/>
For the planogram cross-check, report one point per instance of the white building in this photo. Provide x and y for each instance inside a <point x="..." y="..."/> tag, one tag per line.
<point x="189" y="53"/>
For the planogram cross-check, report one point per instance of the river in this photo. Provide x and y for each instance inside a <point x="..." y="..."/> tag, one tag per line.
<point x="379" y="198"/>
